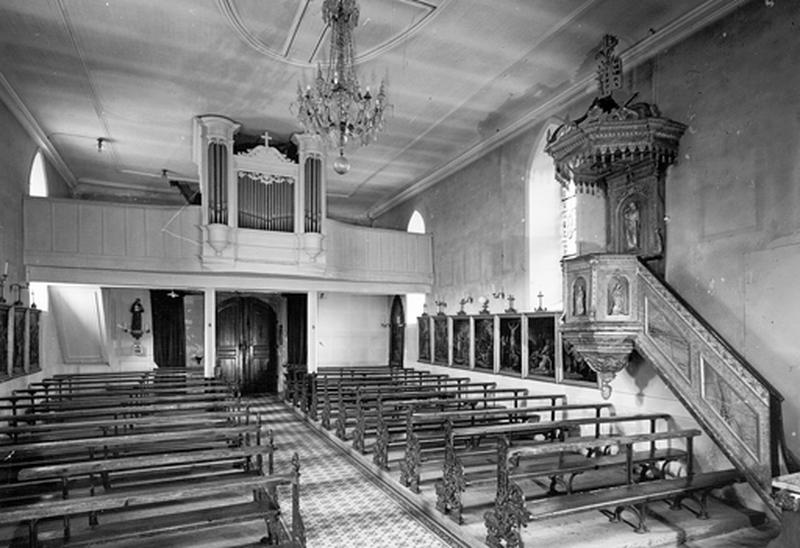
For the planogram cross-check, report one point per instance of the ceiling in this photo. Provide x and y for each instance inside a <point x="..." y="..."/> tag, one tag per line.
<point x="463" y="75"/>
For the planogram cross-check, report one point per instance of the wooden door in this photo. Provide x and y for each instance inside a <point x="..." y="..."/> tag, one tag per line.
<point x="246" y="344"/>
<point x="397" y="332"/>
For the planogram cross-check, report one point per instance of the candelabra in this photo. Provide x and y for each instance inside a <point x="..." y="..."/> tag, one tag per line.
<point x="462" y="302"/>
<point x="440" y="305"/>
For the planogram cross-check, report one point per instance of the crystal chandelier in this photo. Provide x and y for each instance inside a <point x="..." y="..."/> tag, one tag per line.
<point x="335" y="107"/>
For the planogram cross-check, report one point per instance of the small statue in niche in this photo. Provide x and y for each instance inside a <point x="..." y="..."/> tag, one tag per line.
<point x="618" y="296"/>
<point x="630" y="225"/>
<point x="137" y="310"/>
<point x="579" y="297"/>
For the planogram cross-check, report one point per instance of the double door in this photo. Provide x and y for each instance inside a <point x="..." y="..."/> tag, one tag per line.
<point x="246" y="344"/>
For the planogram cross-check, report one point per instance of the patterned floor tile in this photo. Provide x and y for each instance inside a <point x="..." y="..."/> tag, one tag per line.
<point x="341" y="507"/>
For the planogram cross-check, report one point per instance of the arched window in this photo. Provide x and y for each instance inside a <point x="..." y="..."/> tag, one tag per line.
<point x="545" y="225"/>
<point x="37" y="180"/>
<point x="415" y="301"/>
<point x="416" y="224"/>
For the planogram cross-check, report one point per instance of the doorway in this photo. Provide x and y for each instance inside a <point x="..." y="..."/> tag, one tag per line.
<point x="247" y="345"/>
<point x="397" y="331"/>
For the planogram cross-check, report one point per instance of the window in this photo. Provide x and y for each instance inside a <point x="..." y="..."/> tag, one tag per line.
<point x="415" y="302"/>
<point x="546" y="228"/>
<point x="37" y="181"/>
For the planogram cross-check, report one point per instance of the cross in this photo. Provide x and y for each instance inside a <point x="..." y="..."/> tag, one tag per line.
<point x="266" y="138"/>
<point x="540" y="296"/>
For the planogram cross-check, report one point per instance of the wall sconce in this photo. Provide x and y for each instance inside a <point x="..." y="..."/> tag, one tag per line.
<point x="498" y="294"/>
<point x="462" y="302"/>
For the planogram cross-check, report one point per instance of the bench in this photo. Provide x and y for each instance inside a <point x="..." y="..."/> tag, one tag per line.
<point x="130" y="409"/>
<point x="24" y="455"/>
<point x="434" y="425"/>
<point x="454" y="480"/>
<point x="470" y="438"/>
<point x="393" y="409"/>
<point x="503" y="522"/>
<point x="209" y="489"/>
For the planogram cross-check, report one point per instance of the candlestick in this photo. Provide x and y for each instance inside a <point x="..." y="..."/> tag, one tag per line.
<point x="3" y="288"/>
<point x="5" y="270"/>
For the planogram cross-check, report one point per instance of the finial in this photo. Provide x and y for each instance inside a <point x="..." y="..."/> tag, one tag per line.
<point x="609" y="66"/>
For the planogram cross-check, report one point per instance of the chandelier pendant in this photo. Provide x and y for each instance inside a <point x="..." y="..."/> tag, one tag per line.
<point x="335" y="107"/>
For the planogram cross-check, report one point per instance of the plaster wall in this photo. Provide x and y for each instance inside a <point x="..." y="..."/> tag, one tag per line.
<point x="17" y="151"/>
<point x="733" y="199"/>
<point x="351" y="331"/>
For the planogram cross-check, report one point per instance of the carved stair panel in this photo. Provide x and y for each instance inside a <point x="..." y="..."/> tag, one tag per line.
<point x="726" y="396"/>
<point x="733" y="403"/>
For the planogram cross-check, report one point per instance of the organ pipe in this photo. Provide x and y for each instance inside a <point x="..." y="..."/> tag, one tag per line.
<point x="218" y="183"/>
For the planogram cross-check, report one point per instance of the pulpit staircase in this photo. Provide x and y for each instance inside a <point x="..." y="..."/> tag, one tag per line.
<point x="735" y="405"/>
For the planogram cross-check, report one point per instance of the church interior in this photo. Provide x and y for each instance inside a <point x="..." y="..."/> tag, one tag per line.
<point x="399" y="273"/>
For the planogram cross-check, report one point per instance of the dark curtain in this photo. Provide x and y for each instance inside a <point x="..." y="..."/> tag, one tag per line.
<point x="296" y="328"/>
<point x="169" y="329"/>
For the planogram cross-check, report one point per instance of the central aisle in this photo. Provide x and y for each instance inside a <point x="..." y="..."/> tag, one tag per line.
<point x="341" y="506"/>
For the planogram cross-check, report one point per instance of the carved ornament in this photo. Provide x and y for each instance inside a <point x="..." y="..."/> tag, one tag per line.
<point x="607" y="354"/>
<point x="610" y="136"/>
<point x="266" y="153"/>
<point x="266" y="178"/>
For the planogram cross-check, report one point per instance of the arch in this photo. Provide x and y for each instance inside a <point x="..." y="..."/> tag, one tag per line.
<point x="37" y="178"/>
<point x="544" y="227"/>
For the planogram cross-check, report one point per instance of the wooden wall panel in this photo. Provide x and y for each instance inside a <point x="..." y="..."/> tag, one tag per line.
<point x="135" y="232"/>
<point x="90" y="230"/>
<point x="114" y="231"/>
<point x="65" y="229"/>
<point x="155" y="238"/>
<point x="38" y="226"/>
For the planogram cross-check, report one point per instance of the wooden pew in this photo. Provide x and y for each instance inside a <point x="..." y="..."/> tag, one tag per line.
<point x="394" y="409"/>
<point x="476" y="463"/>
<point x="433" y="425"/>
<point x="393" y="400"/>
<point x="166" y="494"/>
<point x="503" y="522"/>
<point x="347" y="398"/>
<point x="108" y="426"/>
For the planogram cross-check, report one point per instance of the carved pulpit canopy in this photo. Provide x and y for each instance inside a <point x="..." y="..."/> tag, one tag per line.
<point x="610" y="136"/>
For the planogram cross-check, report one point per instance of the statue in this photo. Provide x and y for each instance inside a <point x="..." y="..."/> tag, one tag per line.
<point x="618" y="296"/>
<point x="579" y="297"/>
<point x="630" y="225"/>
<point x="137" y="310"/>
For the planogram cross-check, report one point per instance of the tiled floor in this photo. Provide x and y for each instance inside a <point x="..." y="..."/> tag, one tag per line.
<point x="341" y="507"/>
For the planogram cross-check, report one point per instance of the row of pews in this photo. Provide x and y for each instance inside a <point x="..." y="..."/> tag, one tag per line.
<point x="521" y="457"/>
<point x="136" y="458"/>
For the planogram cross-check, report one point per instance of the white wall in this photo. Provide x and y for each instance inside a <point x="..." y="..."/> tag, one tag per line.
<point x="350" y="331"/>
